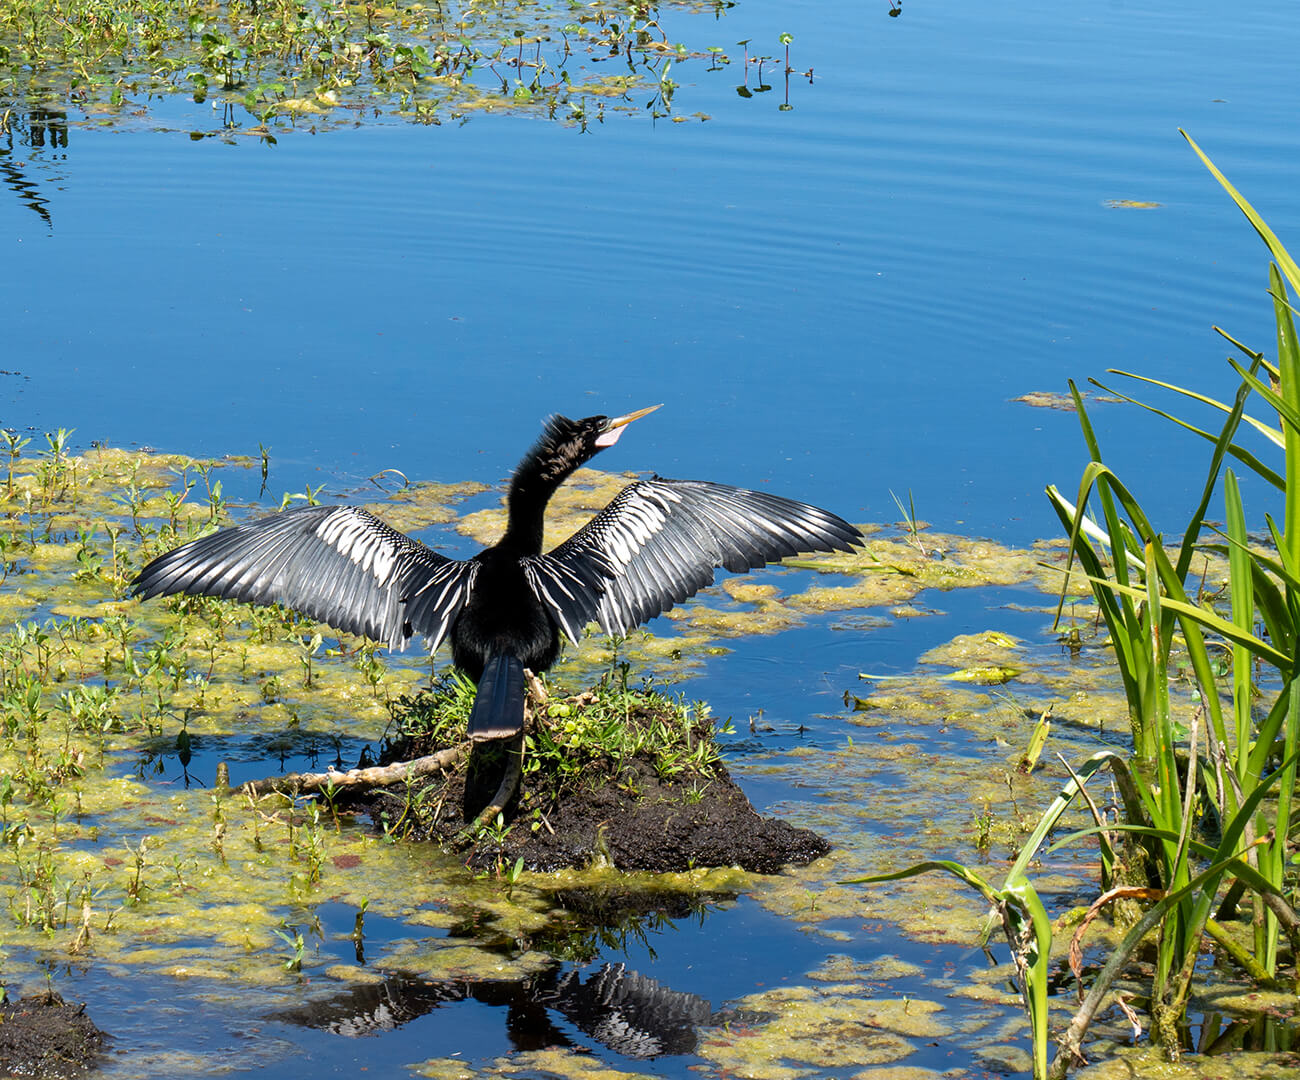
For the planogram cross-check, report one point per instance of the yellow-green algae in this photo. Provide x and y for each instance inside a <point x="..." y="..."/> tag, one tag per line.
<point x="553" y="1061"/>
<point x="200" y="885"/>
<point x="1147" y="1063"/>
<point x="814" y="1028"/>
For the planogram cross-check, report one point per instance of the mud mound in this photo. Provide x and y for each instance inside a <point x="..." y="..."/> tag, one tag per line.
<point x="640" y="823"/>
<point x="43" y="1036"/>
<point x="613" y="777"/>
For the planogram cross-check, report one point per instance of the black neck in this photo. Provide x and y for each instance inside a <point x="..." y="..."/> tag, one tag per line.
<point x="537" y="478"/>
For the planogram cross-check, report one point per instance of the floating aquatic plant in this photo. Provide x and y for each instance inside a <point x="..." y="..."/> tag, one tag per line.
<point x="279" y="64"/>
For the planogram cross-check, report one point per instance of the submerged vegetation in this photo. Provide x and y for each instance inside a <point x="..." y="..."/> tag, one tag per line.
<point x="282" y="63"/>
<point x="1196" y="847"/>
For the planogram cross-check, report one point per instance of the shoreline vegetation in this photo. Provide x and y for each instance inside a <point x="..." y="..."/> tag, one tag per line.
<point x="271" y="66"/>
<point x="1197" y="857"/>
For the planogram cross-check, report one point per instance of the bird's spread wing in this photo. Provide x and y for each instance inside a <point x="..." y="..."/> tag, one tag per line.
<point x="659" y="541"/>
<point x="338" y="564"/>
<point x="571" y="589"/>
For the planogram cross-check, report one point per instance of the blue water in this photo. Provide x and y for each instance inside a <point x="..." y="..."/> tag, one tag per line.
<point x="834" y="301"/>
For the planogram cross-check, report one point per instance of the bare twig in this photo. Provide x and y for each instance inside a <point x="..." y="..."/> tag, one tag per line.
<point x="536" y="688"/>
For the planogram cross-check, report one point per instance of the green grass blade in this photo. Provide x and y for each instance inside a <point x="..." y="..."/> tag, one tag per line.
<point x="1266" y="735"/>
<point x="1235" y="826"/>
<point x="1279" y="253"/>
<point x="1237" y="868"/>
<point x="1242" y="592"/>
<point x="1119" y="614"/>
<point x="1244" y="456"/>
<point x="1211" y="621"/>
<point x="1272" y="434"/>
<point x="1047" y="821"/>
<point x="1160" y="749"/>
<point x="1198" y="847"/>
<point x="1273" y="861"/>
<point x="1121" y="541"/>
<point x="1289" y="413"/>
<point x="1278" y="621"/>
<point x="1194" y="642"/>
<point x="1036" y="955"/>
<point x="947" y="865"/>
<point x="1254" y="558"/>
<point x="1251" y="353"/>
<point x="1288" y="363"/>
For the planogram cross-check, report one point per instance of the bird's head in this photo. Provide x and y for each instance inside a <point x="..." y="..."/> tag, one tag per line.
<point x="566" y="444"/>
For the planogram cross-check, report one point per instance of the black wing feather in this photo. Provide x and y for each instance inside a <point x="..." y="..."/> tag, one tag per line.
<point x="659" y="541"/>
<point x="338" y="564"/>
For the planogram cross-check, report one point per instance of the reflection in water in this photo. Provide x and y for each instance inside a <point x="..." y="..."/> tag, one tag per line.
<point x="627" y="1012"/>
<point x="39" y="129"/>
<point x="199" y="755"/>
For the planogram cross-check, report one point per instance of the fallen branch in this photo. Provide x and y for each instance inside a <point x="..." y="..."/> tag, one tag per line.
<point x="374" y="776"/>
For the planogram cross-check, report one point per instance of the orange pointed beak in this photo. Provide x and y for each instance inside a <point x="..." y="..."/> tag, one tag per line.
<point x="614" y="426"/>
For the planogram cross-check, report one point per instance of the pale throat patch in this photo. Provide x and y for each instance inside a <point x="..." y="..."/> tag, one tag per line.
<point x="608" y="438"/>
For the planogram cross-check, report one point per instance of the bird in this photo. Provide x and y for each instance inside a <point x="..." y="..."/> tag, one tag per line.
<point x="504" y="610"/>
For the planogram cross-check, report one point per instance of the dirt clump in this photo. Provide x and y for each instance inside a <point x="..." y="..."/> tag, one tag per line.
<point x="642" y="823"/>
<point x="43" y="1036"/>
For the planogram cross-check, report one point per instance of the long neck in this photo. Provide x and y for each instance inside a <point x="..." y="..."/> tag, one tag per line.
<point x="536" y="479"/>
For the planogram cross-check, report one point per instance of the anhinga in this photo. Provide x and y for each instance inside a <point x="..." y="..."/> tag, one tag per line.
<point x="653" y="546"/>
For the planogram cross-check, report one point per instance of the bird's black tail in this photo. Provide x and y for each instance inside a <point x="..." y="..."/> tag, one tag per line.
<point x="499" y="707"/>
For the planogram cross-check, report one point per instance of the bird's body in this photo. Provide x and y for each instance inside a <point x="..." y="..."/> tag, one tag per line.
<point x="503" y="615"/>
<point x="504" y="609"/>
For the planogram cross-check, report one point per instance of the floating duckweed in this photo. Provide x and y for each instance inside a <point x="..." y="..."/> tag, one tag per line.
<point x="443" y="1069"/>
<point x="882" y="969"/>
<point x="1002" y="1059"/>
<point x="447" y="959"/>
<point x="815" y="1028"/>
<point x="764" y="616"/>
<point x="987" y="647"/>
<point x="1046" y="399"/>
<point x="562" y="1062"/>
<point x="419" y="505"/>
<point x="1149" y="1063"/>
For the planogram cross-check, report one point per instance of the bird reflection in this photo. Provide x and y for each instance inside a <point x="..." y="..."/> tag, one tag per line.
<point x="625" y="1011"/>
<point x="38" y="129"/>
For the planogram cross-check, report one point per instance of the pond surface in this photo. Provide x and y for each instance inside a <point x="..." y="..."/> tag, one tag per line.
<point x="836" y="301"/>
